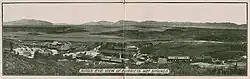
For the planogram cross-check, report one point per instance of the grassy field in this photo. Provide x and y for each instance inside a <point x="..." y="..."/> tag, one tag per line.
<point x="96" y="32"/>
<point x="234" y="45"/>
<point x="222" y="51"/>
<point x="234" y="41"/>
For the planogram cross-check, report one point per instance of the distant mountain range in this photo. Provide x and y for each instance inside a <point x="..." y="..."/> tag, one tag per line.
<point x="99" y="23"/>
<point x="123" y="23"/>
<point x="156" y="23"/>
<point x="28" y="22"/>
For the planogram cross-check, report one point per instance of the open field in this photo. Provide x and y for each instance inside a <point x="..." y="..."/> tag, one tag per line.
<point x="223" y="51"/>
<point x="222" y="43"/>
<point x="126" y="33"/>
<point x="172" y="41"/>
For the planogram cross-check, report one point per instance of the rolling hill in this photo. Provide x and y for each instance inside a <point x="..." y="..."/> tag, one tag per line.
<point x="99" y="23"/>
<point x="24" y="22"/>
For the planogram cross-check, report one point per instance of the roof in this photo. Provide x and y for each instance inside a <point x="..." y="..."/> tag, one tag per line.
<point x="198" y="57"/>
<point x="201" y="64"/>
<point x="162" y="60"/>
<point x="178" y="57"/>
<point x="131" y="47"/>
<point x="115" y="52"/>
<point x="90" y="53"/>
<point x="244" y="57"/>
<point x="207" y="57"/>
<point x="64" y="47"/>
<point x="45" y="51"/>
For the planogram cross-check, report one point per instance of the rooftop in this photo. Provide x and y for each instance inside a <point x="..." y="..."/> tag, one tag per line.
<point x="115" y="52"/>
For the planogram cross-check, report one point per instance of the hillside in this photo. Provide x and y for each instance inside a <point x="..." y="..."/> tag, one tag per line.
<point x="99" y="23"/>
<point x="159" y="23"/>
<point x="24" y="22"/>
<point x="125" y="22"/>
<point x="128" y="23"/>
<point x="227" y="35"/>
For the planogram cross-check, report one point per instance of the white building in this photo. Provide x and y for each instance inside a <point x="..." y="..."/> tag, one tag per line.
<point x="25" y="51"/>
<point x="132" y="47"/>
<point x="162" y="60"/>
<point x="88" y="53"/>
<point x="54" y="52"/>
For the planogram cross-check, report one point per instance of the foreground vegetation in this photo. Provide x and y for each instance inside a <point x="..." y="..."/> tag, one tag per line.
<point x="19" y="65"/>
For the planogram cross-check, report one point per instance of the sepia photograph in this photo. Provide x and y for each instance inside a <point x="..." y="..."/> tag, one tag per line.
<point x="125" y="39"/>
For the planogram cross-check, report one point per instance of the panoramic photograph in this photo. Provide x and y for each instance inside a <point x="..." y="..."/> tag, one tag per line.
<point x="132" y="39"/>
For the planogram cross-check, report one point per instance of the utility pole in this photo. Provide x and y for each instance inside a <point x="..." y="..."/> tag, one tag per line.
<point x="11" y="46"/>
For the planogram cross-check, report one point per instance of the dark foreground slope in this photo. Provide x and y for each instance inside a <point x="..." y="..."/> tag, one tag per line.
<point x="17" y="65"/>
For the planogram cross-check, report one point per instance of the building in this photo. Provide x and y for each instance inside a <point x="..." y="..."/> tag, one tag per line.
<point x="117" y="53"/>
<point x="243" y="57"/>
<point x="142" y="57"/>
<point x="86" y="54"/>
<point x="64" y="47"/>
<point x="137" y="62"/>
<point x="132" y="47"/>
<point x="162" y="60"/>
<point x="97" y="48"/>
<point x="203" y="59"/>
<point x="59" y="45"/>
<point x="179" y="58"/>
<point x="201" y="65"/>
<point x="44" y="52"/>
<point x="54" y="52"/>
<point x="25" y="51"/>
<point x="70" y="55"/>
<point x="217" y="61"/>
<point x="117" y="60"/>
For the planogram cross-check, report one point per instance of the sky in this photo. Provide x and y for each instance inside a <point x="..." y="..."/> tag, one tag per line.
<point x="86" y="12"/>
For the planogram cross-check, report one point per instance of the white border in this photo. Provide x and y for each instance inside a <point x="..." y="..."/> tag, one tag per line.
<point x="122" y="77"/>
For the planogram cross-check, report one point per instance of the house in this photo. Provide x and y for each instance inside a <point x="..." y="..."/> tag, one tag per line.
<point x="217" y="61"/>
<point x="86" y="54"/>
<point x="112" y="59"/>
<point x="105" y="59"/>
<point x="56" y="43"/>
<point x="178" y="58"/>
<point x="142" y="57"/>
<point x="201" y="65"/>
<point x="117" y="60"/>
<point x="162" y="60"/>
<point x="240" y="65"/>
<point x="44" y="52"/>
<point x="132" y="47"/>
<point x="243" y="57"/>
<point x="232" y="60"/>
<point x="208" y="65"/>
<point x="70" y="55"/>
<point x="97" y="48"/>
<point x="64" y="47"/>
<point x="116" y="53"/>
<point x="137" y="62"/>
<point x="26" y="51"/>
<point x="54" y="52"/>
<point x="203" y="59"/>
<point x="59" y="45"/>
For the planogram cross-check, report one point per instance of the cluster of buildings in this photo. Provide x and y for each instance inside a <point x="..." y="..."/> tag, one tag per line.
<point x="110" y="54"/>
<point x="48" y="49"/>
<point x="204" y="61"/>
<point x="63" y="50"/>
